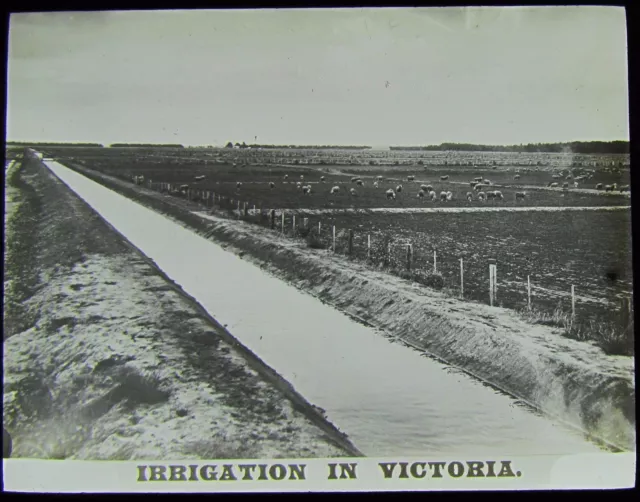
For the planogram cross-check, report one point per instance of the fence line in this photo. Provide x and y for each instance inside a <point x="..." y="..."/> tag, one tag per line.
<point x="206" y="198"/>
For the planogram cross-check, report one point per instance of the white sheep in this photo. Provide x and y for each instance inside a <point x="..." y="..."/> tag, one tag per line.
<point x="390" y="194"/>
<point x="335" y="189"/>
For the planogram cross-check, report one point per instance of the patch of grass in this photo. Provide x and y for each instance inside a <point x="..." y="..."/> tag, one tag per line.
<point x="221" y="447"/>
<point x="314" y="240"/>
<point x="613" y="338"/>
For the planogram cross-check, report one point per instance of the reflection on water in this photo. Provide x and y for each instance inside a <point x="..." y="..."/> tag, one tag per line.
<point x="388" y="398"/>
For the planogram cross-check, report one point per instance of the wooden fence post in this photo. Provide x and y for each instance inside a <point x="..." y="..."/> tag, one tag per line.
<point x="246" y="209"/>
<point x="573" y="301"/>
<point x="272" y="217"/>
<point x="293" y="224"/>
<point x="283" y="221"/>
<point x="435" y="262"/>
<point x="305" y="223"/>
<point x="461" y="277"/>
<point x="492" y="282"/>
<point x="319" y="227"/>
<point x="334" y="238"/>
<point x="368" y="246"/>
<point x="529" y="292"/>
<point x="409" y="253"/>
<point x="350" y="242"/>
<point x="625" y="312"/>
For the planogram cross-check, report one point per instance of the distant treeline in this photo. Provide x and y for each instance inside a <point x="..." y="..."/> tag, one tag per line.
<point x="578" y="147"/>
<point x="24" y="143"/>
<point x="298" y="147"/>
<point x="143" y="145"/>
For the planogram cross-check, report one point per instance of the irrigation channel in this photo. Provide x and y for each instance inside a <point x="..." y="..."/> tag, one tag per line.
<point x="389" y="398"/>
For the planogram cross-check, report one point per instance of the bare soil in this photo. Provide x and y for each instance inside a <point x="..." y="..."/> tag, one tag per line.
<point x="105" y="358"/>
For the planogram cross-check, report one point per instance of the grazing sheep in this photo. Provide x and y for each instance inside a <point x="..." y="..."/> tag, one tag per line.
<point x="272" y="185"/>
<point x="449" y="195"/>
<point x="615" y="186"/>
<point x="520" y="195"/>
<point x="390" y="194"/>
<point x="302" y="176"/>
<point x="553" y="185"/>
<point x="516" y="177"/>
<point x="411" y="178"/>
<point x="184" y="187"/>
<point x="433" y="195"/>
<point x="375" y="184"/>
<point x="556" y="176"/>
<point x="608" y="188"/>
<point x="486" y="182"/>
<point x="599" y="186"/>
<point x="421" y="193"/>
<point x="354" y="179"/>
<point x="478" y="187"/>
<point x="286" y="176"/>
<point x="444" y="178"/>
<point x="491" y="195"/>
<point x="353" y="192"/>
<point x="575" y="184"/>
<point x="426" y="188"/>
<point x="360" y="183"/>
<point x="443" y="196"/>
<point x="498" y="195"/>
<point x="238" y="185"/>
<point x="624" y="188"/>
<point x="322" y="178"/>
<point x="200" y="178"/>
<point x="335" y="189"/>
<point x="565" y="185"/>
<point x="469" y="196"/>
<point x="473" y="184"/>
<point x="478" y="179"/>
<point x="306" y="189"/>
<point x="482" y="196"/>
<point x="399" y="188"/>
<point x="379" y="178"/>
<point x="569" y="176"/>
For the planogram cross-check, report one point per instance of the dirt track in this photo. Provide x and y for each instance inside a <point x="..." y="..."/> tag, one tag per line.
<point x="106" y="359"/>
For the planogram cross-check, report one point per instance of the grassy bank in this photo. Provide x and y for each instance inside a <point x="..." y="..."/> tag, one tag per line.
<point x="107" y="359"/>
<point x="575" y="381"/>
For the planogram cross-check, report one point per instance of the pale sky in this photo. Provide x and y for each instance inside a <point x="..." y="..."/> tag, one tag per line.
<point x="342" y="76"/>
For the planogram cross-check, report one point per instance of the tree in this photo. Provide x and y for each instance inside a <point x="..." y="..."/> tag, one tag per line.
<point x="229" y="145"/>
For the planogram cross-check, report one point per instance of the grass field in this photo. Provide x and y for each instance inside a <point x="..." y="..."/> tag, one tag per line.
<point x="590" y="250"/>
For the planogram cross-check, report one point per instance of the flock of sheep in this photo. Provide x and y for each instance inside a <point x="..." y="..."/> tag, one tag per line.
<point x="479" y="187"/>
<point x="426" y="191"/>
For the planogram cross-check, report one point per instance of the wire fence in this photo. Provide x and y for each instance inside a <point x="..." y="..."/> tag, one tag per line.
<point x="470" y="278"/>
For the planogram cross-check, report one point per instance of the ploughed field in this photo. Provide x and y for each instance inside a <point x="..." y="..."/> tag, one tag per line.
<point x="222" y="178"/>
<point x="588" y="249"/>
